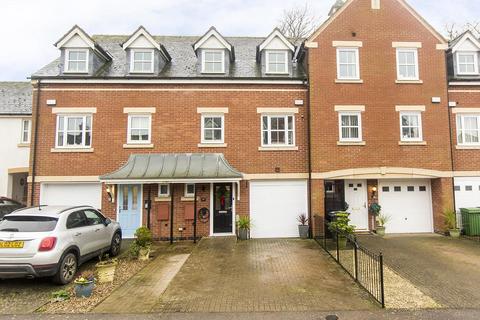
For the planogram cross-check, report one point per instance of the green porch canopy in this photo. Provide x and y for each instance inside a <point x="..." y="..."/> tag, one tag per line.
<point x="174" y="167"/>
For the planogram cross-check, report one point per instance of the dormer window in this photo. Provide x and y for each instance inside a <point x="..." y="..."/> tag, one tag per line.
<point x="467" y="63"/>
<point x="213" y="61"/>
<point x="76" y="60"/>
<point x="277" y="61"/>
<point x="141" y="61"/>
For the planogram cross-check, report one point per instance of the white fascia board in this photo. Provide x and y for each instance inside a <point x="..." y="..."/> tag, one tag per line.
<point x="141" y="32"/>
<point x="212" y="33"/>
<point x="276" y="34"/>
<point x="166" y="81"/>
<point x="80" y="33"/>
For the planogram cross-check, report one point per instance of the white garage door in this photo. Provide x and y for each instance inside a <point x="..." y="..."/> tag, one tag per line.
<point x="467" y="192"/>
<point x="275" y="206"/>
<point x="71" y="194"/>
<point x="408" y="203"/>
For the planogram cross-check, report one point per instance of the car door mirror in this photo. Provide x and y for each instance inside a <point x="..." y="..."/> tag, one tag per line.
<point x="107" y="222"/>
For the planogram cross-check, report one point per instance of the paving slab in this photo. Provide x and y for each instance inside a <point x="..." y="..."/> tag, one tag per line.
<point x="261" y="275"/>
<point x="445" y="269"/>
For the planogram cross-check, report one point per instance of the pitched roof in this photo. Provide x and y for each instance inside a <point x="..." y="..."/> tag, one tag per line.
<point x="15" y="98"/>
<point x="141" y="31"/>
<point x="462" y="37"/>
<point x="184" y="63"/>
<point x="166" y="167"/>
<point x="76" y="30"/>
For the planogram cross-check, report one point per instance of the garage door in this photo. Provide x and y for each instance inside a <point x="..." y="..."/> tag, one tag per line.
<point x="467" y="192"/>
<point x="75" y="194"/>
<point x="409" y="205"/>
<point x="275" y="206"/>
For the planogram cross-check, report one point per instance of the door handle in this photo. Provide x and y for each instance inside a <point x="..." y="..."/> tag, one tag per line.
<point x="96" y="230"/>
<point x="78" y="234"/>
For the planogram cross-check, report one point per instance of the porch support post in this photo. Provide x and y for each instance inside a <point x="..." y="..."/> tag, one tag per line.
<point x="195" y="214"/>
<point x="149" y="205"/>
<point x="171" y="211"/>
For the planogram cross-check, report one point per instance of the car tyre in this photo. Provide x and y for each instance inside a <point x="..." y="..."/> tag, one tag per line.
<point x="67" y="268"/>
<point x="116" y="244"/>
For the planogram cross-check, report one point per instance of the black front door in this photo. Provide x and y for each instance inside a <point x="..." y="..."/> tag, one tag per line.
<point x="222" y="208"/>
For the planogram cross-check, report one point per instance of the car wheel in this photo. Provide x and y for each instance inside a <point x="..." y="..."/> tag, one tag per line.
<point x="67" y="269"/>
<point x="116" y="245"/>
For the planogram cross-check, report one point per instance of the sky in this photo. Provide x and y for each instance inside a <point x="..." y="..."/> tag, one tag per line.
<point x="29" y="28"/>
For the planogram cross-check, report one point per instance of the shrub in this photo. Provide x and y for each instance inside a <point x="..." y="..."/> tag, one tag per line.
<point x="450" y="217"/>
<point x="302" y="219"/>
<point x="383" y="219"/>
<point x="143" y="240"/>
<point x="244" y="222"/>
<point x="340" y="224"/>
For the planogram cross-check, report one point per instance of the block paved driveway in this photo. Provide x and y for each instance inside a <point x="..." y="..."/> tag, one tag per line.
<point x="223" y="275"/>
<point x="446" y="269"/>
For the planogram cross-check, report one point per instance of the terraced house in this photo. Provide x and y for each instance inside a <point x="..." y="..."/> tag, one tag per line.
<point x="184" y="134"/>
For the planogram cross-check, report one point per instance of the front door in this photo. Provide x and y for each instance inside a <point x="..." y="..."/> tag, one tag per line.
<point x="222" y="208"/>
<point x="356" y="197"/>
<point x="129" y="208"/>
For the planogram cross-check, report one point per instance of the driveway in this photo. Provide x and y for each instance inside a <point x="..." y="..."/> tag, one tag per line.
<point x="223" y="275"/>
<point x="445" y="269"/>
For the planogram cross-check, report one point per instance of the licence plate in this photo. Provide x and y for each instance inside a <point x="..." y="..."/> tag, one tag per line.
<point x="11" y="244"/>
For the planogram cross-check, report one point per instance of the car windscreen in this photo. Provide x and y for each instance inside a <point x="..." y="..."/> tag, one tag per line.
<point x="27" y="224"/>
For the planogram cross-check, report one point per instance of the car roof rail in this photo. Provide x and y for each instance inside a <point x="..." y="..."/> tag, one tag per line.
<point x="26" y="208"/>
<point x="74" y="207"/>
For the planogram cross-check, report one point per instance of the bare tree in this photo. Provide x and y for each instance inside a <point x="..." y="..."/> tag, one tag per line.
<point x="298" y="22"/>
<point x="453" y="30"/>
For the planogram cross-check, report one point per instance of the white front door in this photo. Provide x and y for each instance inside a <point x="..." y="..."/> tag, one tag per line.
<point x="356" y="197"/>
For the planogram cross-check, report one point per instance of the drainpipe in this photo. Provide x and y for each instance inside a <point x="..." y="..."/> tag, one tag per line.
<point x="35" y="140"/>
<point x="309" y="153"/>
<point x="452" y="159"/>
<point x="149" y="205"/>
<point x="172" y="187"/>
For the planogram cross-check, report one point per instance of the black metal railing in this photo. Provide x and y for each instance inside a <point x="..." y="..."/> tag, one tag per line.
<point x="363" y="265"/>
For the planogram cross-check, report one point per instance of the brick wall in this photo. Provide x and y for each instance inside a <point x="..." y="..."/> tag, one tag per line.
<point x="379" y="92"/>
<point x="442" y="198"/>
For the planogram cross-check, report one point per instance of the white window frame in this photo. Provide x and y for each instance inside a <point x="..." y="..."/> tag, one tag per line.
<point x="163" y="195"/>
<point x="420" y="126"/>
<point x="269" y="124"/>
<point x="189" y="195"/>
<point x="222" y="128"/>
<point x="26" y="129"/>
<point x="475" y="61"/>
<point x="129" y="128"/>
<point x="267" y="61"/>
<point x="65" y="123"/>
<point x="415" y="52"/>
<point x="67" y="60"/>
<point x="461" y="130"/>
<point x="340" y="133"/>
<point x="204" y="51"/>
<point x="132" y="61"/>
<point x="357" y="62"/>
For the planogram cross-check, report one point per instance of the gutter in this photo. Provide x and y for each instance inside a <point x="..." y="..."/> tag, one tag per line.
<point x="309" y="154"/>
<point x="452" y="158"/>
<point x="34" y="149"/>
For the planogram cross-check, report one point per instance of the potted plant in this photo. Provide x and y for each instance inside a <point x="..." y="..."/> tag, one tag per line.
<point x="142" y="244"/>
<point x="244" y="225"/>
<point x="84" y="285"/>
<point x="382" y="220"/>
<point x="106" y="269"/>
<point x="303" y="226"/>
<point x="450" y="217"/>
<point x="340" y="226"/>
<point x="375" y="209"/>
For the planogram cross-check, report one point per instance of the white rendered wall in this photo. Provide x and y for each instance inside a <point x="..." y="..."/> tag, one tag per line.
<point x="11" y="155"/>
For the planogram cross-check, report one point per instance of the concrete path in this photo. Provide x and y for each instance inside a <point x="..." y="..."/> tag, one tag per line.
<point x="141" y="292"/>
<point x="342" y="315"/>
<point x="223" y="275"/>
<point x="445" y="269"/>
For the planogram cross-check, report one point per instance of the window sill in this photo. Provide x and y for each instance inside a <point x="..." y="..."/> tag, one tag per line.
<point x="75" y="72"/>
<point x="138" y="146"/>
<point x="348" y="81"/>
<point x="408" y="81"/>
<point x="293" y="148"/>
<point x="141" y="72"/>
<point x="206" y="72"/>
<point x="162" y="199"/>
<point x="412" y="143"/>
<point x="467" y="147"/>
<point x="72" y="150"/>
<point x="276" y="73"/>
<point x="351" y="143"/>
<point x="187" y="199"/>
<point x="23" y="145"/>
<point x="212" y="145"/>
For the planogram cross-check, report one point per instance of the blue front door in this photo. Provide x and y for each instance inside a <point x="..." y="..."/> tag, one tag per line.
<point x="129" y="208"/>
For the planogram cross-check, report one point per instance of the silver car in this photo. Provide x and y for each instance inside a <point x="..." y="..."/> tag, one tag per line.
<point x="53" y="241"/>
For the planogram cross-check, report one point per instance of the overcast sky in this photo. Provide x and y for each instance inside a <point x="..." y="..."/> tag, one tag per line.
<point x="28" y="28"/>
